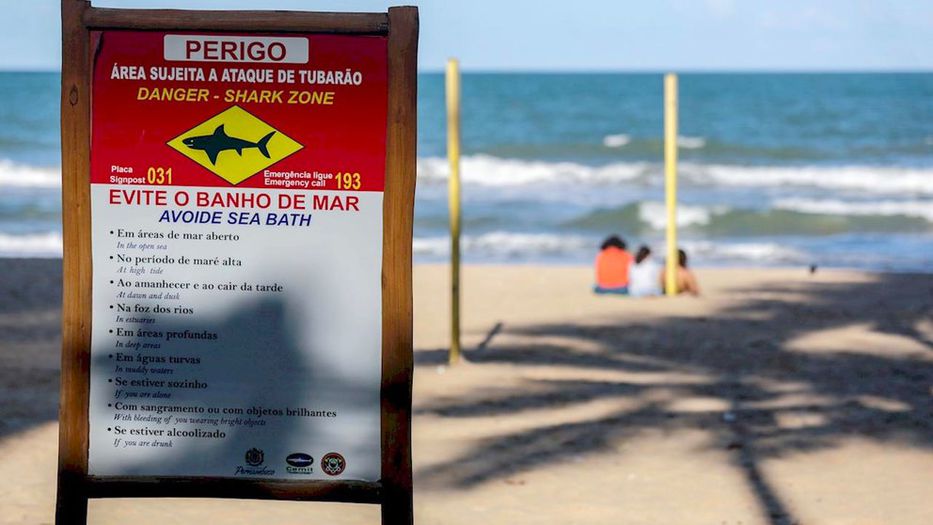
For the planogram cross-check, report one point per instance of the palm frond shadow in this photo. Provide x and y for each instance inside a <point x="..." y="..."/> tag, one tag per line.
<point x="869" y="394"/>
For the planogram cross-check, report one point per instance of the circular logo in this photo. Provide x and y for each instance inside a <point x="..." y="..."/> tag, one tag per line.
<point x="333" y="464"/>
<point x="254" y="457"/>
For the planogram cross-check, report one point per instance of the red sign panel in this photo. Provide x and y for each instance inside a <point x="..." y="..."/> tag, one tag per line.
<point x="200" y="106"/>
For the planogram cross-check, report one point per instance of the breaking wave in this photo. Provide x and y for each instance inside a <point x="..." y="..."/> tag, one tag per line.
<point x="911" y="208"/>
<point x="616" y="141"/>
<point x="747" y="252"/>
<point x="812" y="218"/>
<point x="494" y="171"/>
<point x="35" y="245"/>
<point x="486" y="170"/>
<point x="23" y="176"/>
<point x="508" y="245"/>
<point x="516" y="247"/>
<point x="864" y="179"/>
<point x="691" y="142"/>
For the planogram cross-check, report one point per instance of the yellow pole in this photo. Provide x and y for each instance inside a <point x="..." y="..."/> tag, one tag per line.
<point x="453" y="198"/>
<point x="670" y="180"/>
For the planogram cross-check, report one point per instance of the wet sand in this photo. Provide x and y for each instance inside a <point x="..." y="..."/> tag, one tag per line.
<point x="777" y="397"/>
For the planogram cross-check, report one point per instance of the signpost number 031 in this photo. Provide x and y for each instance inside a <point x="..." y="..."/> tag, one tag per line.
<point x="238" y="192"/>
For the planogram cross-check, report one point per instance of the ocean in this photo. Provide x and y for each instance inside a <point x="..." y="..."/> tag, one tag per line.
<point x="776" y="169"/>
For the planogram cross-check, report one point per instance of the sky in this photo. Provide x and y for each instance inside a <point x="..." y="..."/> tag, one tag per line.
<point x="588" y="35"/>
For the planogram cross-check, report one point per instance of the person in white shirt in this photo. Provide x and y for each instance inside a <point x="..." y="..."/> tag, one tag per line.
<point x="645" y="275"/>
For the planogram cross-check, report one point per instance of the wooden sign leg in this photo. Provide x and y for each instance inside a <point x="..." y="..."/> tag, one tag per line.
<point x="398" y="511"/>
<point x="71" y="504"/>
<point x="397" y="361"/>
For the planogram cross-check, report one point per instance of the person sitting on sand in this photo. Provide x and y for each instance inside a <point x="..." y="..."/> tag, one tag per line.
<point x="686" y="281"/>
<point x="612" y="267"/>
<point x="644" y="277"/>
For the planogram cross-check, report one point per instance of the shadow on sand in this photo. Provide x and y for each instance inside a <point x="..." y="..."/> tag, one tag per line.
<point x="881" y="396"/>
<point x="30" y="343"/>
<point x="759" y="364"/>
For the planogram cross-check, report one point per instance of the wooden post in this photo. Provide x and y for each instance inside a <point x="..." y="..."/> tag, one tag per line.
<point x="670" y="180"/>
<point x="402" y="139"/>
<point x="72" y="495"/>
<point x="453" y="155"/>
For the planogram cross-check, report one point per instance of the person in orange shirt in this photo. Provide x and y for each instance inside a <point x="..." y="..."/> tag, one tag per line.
<point x="612" y="267"/>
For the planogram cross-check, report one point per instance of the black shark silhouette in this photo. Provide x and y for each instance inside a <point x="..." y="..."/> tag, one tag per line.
<point x="220" y="141"/>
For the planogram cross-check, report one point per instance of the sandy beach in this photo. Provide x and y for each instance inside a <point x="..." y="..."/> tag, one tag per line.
<point x="777" y="397"/>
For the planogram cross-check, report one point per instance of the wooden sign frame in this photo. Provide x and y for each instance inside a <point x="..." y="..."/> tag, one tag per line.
<point x="394" y="490"/>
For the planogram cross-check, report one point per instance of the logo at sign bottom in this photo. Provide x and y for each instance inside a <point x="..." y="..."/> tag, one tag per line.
<point x="333" y="464"/>
<point x="299" y="463"/>
<point x="254" y="457"/>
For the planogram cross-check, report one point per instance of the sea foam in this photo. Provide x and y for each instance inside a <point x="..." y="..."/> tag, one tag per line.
<point x="744" y="252"/>
<point x="910" y="208"/>
<point x="864" y="179"/>
<point x="616" y="141"/>
<point x="47" y="244"/>
<point x="23" y="176"/>
<point x="486" y="170"/>
<point x="654" y="214"/>
<point x="691" y="142"/>
<point x="504" y="244"/>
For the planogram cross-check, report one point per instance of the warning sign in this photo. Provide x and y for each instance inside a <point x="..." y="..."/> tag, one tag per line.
<point x="237" y="242"/>
<point x="234" y="145"/>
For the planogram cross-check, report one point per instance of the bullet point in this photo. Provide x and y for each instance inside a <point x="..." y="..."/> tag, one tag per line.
<point x="111" y="256"/>
<point x="111" y="282"/>
<point x="108" y="429"/>
<point x="111" y="331"/>
<point x="111" y="355"/>
<point x="110" y="380"/>
<point x="111" y="307"/>
<point x="111" y="232"/>
<point x="109" y="405"/>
